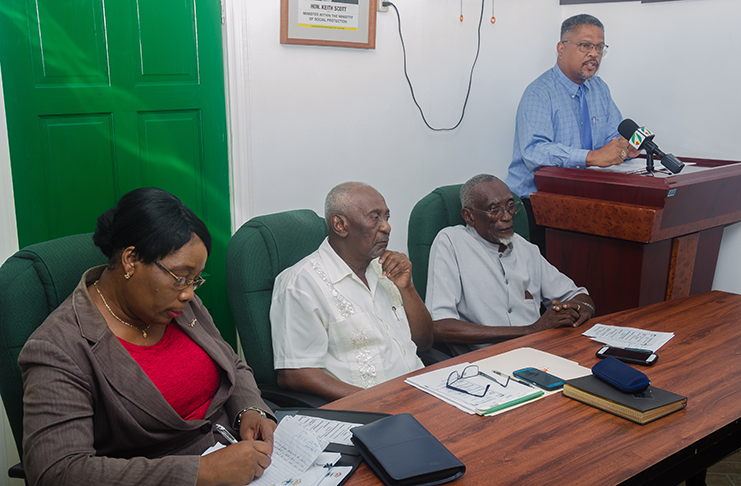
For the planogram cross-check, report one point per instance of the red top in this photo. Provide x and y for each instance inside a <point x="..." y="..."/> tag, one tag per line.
<point x="184" y="374"/>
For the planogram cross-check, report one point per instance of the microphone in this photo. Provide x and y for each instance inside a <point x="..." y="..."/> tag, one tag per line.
<point x="641" y="138"/>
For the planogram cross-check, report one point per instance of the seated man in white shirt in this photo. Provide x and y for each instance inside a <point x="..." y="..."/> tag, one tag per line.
<point x="348" y="317"/>
<point x="486" y="283"/>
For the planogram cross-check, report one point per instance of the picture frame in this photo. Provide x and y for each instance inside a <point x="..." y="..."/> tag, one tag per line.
<point x="335" y="23"/>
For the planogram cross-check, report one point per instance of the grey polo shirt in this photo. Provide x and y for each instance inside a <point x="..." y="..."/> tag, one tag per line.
<point x="470" y="280"/>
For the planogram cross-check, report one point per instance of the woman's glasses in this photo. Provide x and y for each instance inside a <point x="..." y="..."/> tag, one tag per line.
<point x="182" y="283"/>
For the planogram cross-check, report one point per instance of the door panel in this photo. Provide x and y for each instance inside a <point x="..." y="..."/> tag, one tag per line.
<point x="172" y="154"/>
<point x="168" y="42"/>
<point x="104" y="97"/>
<point x="66" y="141"/>
<point x="68" y="42"/>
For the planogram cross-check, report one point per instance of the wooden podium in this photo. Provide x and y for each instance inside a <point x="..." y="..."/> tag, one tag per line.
<point x="634" y="240"/>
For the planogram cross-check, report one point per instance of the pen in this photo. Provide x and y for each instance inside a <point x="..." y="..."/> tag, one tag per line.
<point x="513" y="379"/>
<point x="222" y="430"/>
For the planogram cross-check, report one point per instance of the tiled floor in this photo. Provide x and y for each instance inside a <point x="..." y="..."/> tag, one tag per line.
<point x="726" y="473"/>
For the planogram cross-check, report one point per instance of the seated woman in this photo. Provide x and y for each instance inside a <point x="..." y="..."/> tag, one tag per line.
<point x="126" y="379"/>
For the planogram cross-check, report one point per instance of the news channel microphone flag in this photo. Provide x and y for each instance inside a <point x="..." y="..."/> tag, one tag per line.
<point x="641" y="138"/>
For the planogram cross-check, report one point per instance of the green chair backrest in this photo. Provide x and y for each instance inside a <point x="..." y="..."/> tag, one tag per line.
<point x="33" y="282"/>
<point x="435" y="211"/>
<point x="262" y="248"/>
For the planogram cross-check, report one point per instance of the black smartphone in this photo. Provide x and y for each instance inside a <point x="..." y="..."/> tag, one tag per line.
<point x="544" y="380"/>
<point x="636" y="356"/>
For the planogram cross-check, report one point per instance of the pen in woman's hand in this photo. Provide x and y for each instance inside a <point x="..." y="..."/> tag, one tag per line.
<point x="222" y="430"/>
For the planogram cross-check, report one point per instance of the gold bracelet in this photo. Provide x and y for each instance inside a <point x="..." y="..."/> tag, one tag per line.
<point x="238" y="420"/>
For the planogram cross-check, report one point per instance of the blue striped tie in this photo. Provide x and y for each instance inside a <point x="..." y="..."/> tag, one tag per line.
<point x="586" y="124"/>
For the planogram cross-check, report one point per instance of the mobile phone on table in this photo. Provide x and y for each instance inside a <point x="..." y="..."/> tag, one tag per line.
<point x="544" y="380"/>
<point x="636" y="356"/>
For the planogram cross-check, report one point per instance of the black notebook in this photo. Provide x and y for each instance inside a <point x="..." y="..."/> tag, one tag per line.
<point x="404" y="453"/>
<point x="642" y="408"/>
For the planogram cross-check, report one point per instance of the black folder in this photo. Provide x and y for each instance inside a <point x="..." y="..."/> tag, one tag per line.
<point x="404" y="453"/>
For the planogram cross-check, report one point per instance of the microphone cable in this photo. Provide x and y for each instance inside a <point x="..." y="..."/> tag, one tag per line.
<point x="409" y="81"/>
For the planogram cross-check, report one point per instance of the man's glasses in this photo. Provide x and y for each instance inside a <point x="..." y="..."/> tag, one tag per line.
<point x="182" y="283"/>
<point x="455" y="381"/>
<point x="586" y="47"/>
<point x="513" y="207"/>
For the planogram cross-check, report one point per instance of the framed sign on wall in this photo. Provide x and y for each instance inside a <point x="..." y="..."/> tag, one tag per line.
<point x="338" y="23"/>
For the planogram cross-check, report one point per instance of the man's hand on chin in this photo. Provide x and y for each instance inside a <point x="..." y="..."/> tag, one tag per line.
<point x="397" y="267"/>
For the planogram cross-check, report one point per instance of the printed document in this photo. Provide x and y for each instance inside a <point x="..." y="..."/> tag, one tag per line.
<point x="628" y="337"/>
<point x="295" y="450"/>
<point x="329" y="430"/>
<point x="297" y="453"/>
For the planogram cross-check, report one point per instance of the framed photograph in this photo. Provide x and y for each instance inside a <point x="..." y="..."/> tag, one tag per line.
<point x="338" y="23"/>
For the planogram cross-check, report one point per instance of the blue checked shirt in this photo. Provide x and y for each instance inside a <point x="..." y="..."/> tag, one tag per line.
<point x="548" y="127"/>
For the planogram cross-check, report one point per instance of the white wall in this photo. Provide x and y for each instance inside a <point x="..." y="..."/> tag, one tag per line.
<point x="8" y="246"/>
<point x="8" y="230"/>
<point x="319" y="116"/>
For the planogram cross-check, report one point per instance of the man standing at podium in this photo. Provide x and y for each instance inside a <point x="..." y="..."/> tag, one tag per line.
<point x="566" y="117"/>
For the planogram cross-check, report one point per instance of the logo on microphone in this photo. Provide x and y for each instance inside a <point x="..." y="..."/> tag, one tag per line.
<point x="638" y="137"/>
<point x="645" y="131"/>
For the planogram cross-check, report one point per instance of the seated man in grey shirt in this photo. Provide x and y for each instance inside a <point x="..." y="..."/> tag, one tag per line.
<point x="486" y="283"/>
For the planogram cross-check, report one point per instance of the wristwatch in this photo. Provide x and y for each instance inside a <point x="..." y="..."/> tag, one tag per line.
<point x="238" y="420"/>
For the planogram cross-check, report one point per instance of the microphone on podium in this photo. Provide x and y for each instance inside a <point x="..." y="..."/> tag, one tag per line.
<point x="641" y="138"/>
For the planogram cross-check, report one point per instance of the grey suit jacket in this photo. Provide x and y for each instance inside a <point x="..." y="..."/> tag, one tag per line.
<point x="91" y="414"/>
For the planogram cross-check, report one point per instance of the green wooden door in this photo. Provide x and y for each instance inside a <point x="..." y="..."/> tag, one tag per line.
<point x="104" y="97"/>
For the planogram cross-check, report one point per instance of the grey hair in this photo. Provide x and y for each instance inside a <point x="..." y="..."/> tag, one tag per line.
<point x="572" y="23"/>
<point x="468" y="191"/>
<point x="339" y="200"/>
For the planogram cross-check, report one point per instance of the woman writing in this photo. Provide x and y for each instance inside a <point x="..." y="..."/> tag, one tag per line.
<point x="124" y="382"/>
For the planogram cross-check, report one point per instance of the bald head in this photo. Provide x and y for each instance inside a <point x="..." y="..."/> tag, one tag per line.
<point x="469" y="189"/>
<point x="357" y="222"/>
<point x="340" y="200"/>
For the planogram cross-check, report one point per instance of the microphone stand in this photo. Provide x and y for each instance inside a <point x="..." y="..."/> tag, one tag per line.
<point x="649" y="161"/>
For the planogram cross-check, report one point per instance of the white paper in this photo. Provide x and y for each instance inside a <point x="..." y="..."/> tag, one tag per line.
<point x="328" y="14"/>
<point x="520" y="358"/>
<point x="335" y="476"/>
<point x="213" y="448"/>
<point x="326" y="459"/>
<point x="628" y="167"/>
<point x="435" y="383"/>
<point x="628" y="337"/>
<point x="329" y="430"/>
<point x="638" y="166"/>
<point x="295" y="450"/>
<point x="316" y="473"/>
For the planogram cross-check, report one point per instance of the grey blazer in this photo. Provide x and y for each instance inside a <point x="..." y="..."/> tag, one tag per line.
<point x="91" y="414"/>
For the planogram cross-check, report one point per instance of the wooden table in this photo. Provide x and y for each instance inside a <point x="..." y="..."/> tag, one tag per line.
<point x="557" y="440"/>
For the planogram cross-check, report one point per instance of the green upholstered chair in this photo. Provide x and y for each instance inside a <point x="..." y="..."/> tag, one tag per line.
<point x="435" y="211"/>
<point x="33" y="282"/>
<point x="262" y="248"/>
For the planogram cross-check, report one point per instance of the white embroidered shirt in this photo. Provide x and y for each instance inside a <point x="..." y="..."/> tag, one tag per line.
<point x="323" y="316"/>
